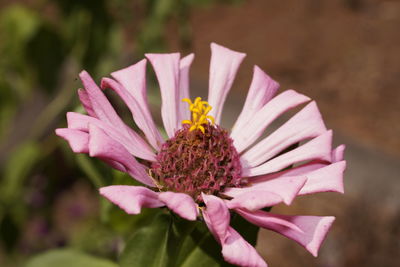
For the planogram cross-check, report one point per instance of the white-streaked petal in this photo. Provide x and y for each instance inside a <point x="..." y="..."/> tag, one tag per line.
<point x="223" y="68"/>
<point x="133" y="79"/>
<point x="133" y="142"/>
<point x="313" y="229"/>
<point x="104" y="147"/>
<point x="306" y="124"/>
<point x="184" y="67"/>
<point x="318" y="148"/>
<point x="141" y="117"/>
<point x="254" y="200"/>
<point x="166" y="67"/>
<point x="251" y="131"/>
<point x="262" y="90"/>
<point x="286" y="187"/>
<point x="326" y="179"/>
<point x="265" y="219"/>
<point x="321" y="177"/>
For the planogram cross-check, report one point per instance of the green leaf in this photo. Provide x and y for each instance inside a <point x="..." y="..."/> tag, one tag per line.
<point x="201" y="248"/>
<point x="170" y="241"/>
<point x="67" y="258"/>
<point x="157" y="244"/>
<point x="147" y="247"/>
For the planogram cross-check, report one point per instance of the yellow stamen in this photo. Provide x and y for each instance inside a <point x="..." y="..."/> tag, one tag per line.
<point x="199" y="117"/>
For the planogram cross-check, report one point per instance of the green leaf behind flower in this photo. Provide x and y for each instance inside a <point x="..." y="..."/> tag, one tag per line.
<point x="170" y="241"/>
<point x="68" y="258"/>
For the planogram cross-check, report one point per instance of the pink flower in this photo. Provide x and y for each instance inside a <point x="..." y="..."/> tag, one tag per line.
<point x="202" y="170"/>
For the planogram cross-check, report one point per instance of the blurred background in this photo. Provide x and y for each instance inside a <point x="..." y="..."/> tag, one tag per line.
<point x="342" y="53"/>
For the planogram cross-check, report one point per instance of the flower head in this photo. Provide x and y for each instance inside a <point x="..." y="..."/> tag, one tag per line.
<point x="203" y="165"/>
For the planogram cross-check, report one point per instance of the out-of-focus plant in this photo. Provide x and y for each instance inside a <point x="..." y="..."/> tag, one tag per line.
<point x="43" y="46"/>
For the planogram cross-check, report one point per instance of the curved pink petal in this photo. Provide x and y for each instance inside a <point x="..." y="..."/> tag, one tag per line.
<point x="338" y="153"/>
<point x="313" y="228"/>
<point x="133" y="81"/>
<point x="104" y="147"/>
<point x="223" y="68"/>
<point x="134" y="144"/>
<point x="180" y="203"/>
<point x="106" y="113"/>
<point x="100" y="104"/>
<point x="141" y="117"/>
<point x="131" y="198"/>
<point x="306" y="124"/>
<point x="235" y="249"/>
<point x="216" y="215"/>
<point x="78" y="140"/>
<point x="79" y="143"/>
<point x="318" y="148"/>
<point x="262" y="89"/>
<point x="285" y="187"/>
<point x="326" y="179"/>
<point x="87" y="105"/>
<point x="321" y="177"/>
<point x="184" y="67"/>
<point x="254" y="200"/>
<point x="265" y="219"/>
<point x="238" y="251"/>
<point x="251" y="131"/>
<point x="166" y="67"/>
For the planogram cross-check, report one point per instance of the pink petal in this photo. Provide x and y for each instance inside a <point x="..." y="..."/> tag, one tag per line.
<point x="313" y="228"/>
<point x="100" y="104"/>
<point x="318" y="148"/>
<point x="87" y="105"/>
<point x="265" y="219"/>
<point x="131" y="198"/>
<point x="79" y="143"/>
<point x="326" y="179"/>
<point x="180" y="203"/>
<point x="166" y="67"/>
<point x="306" y="124"/>
<point x="235" y="249"/>
<point x="133" y="81"/>
<point x="223" y="68"/>
<point x="134" y="143"/>
<point x="78" y="140"/>
<point x="338" y="153"/>
<point x="184" y="67"/>
<point x="251" y="131"/>
<point x="216" y="215"/>
<point x="106" y="113"/>
<point x="262" y="89"/>
<point x="238" y="251"/>
<point x="254" y="200"/>
<point x="142" y="118"/>
<point x="286" y="188"/>
<point x="104" y="147"/>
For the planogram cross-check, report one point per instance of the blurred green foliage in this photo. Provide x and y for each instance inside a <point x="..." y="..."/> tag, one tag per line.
<point x="43" y="46"/>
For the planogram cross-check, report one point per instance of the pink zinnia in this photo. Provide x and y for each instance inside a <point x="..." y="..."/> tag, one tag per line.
<point x="202" y="170"/>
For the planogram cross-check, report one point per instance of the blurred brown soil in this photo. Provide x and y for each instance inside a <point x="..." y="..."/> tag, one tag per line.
<point x="344" y="54"/>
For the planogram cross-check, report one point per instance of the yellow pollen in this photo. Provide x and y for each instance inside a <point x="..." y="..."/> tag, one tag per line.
<point x="199" y="110"/>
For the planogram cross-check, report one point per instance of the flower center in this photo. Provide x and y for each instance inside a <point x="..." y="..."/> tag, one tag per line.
<point x="199" y="158"/>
